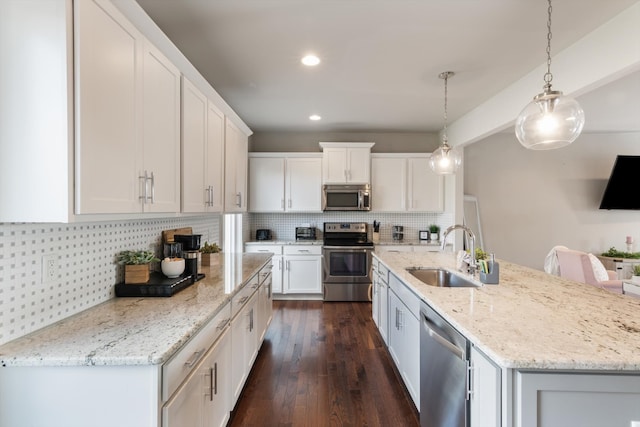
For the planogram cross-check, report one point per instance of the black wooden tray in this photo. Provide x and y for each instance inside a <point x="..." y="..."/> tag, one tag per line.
<point x="158" y="285"/>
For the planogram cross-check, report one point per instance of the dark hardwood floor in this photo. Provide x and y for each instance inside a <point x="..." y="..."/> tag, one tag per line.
<point x="323" y="364"/>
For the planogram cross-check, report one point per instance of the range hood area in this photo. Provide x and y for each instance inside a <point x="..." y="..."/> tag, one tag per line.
<point x="617" y="194"/>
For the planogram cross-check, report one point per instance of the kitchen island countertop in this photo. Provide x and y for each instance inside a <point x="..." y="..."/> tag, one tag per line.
<point x="132" y="330"/>
<point x="533" y="320"/>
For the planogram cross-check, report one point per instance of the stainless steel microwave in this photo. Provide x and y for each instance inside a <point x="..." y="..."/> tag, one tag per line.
<point x="346" y="197"/>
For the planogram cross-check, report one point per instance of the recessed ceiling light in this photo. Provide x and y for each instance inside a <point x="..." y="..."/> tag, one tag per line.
<point x="310" y="60"/>
<point x="314" y="117"/>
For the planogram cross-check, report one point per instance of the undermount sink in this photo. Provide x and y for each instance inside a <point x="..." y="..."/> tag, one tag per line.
<point x="441" y="278"/>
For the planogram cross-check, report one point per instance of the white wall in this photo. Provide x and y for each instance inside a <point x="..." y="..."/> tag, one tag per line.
<point x="530" y="201"/>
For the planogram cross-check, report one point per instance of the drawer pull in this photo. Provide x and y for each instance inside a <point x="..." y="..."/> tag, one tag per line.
<point x="194" y="358"/>
<point x="222" y="324"/>
<point x="243" y="300"/>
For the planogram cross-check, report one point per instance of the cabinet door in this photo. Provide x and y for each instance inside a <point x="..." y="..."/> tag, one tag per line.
<point x="108" y="83"/>
<point x="396" y="343"/>
<point x="185" y="408"/>
<point x="426" y="188"/>
<point x="244" y="346"/>
<point x="161" y="131"/>
<point x="194" y="138"/>
<point x="303" y="274"/>
<point x="486" y="396"/>
<point x="304" y="185"/>
<point x="383" y="325"/>
<point x="334" y="165"/>
<point x="358" y="165"/>
<point x="217" y="383"/>
<point x="266" y="184"/>
<point x="389" y="184"/>
<point x="276" y="274"/>
<point x="375" y="298"/>
<point x="236" y="145"/>
<point x="214" y="167"/>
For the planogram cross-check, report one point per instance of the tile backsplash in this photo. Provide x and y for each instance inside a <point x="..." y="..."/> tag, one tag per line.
<point x="86" y="272"/>
<point x="283" y="226"/>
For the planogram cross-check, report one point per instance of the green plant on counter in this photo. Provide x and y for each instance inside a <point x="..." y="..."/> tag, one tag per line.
<point x="480" y="254"/>
<point x="614" y="253"/>
<point x="212" y="248"/>
<point x="636" y="270"/>
<point x="136" y="257"/>
<point x="434" y="228"/>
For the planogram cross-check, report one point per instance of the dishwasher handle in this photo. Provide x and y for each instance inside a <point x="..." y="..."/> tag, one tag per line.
<point x="433" y="333"/>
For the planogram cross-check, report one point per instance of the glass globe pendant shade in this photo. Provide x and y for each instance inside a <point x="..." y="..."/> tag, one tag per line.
<point x="550" y="121"/>
<point x="445" y="160"/>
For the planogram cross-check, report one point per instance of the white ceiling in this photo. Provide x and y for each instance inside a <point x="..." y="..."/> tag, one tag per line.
<point x="381" y="58"/>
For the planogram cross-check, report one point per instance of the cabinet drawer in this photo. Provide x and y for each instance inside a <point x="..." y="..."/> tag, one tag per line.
<point x="243" y="296"/>
<point x="303" y="250"/>
<point x="274" y="249"/>
<point x="265" y="271"/>
<point x="409" y="299"/>
<point x="186" y="359"/>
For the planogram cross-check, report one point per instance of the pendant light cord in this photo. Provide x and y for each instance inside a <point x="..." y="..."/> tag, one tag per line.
<point x="445" y="75"/>
<point x="548" y="76"/>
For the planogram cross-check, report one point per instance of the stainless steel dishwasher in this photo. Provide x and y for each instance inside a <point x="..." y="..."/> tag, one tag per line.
<point x="443" y="373"/>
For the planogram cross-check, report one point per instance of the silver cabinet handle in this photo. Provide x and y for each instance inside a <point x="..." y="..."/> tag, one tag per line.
<point x="243" y="300"/>
<point x="303" y="250"/>
<point x="282" y="203"/>
<point x="194" y="358"/>
<point x="222" y="324"/>
<point x="239" y="200"/>
<point x="144" y="178"/>
<point x="153" y="188"/>
<point x="215" y="379"/>
<point x="290" y="203"/>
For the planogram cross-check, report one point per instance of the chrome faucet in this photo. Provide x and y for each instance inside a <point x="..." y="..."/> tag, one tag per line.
<point x="473" y="266"/>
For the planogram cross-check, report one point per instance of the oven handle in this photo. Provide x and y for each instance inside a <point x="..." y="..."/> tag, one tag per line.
<point x="362" y="248"/>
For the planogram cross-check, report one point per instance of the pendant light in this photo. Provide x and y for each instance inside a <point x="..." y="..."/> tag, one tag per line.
<point x="551" y="120"/>
<point x="446" y="159"/>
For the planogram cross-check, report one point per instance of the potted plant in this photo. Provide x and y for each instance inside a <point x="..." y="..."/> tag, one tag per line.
<point x="136" y="265"/>
<point x="636" y="274"/>
<point x="434" y="232"/>
<point x="210" y="254"/>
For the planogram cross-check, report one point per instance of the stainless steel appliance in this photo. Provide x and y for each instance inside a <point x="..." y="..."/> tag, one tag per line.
<point x="305" y="233"/>
<point x="346" y="272"/>
<point x="346" y="197"/>
<point x="444" y="381"/>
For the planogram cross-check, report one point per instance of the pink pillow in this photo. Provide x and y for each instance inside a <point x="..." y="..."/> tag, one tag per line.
<point x="599" y="272"/>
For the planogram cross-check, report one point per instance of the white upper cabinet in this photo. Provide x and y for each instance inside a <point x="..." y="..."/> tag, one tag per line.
<point x="285" y="184"/>
<point x="194" y="141"/>
<point x="161" y="131"/>
<point x="236" y="159"/>
<point x="214" y="167"/>
<point x="108" y="90"/>
<point x="346" y="162"/>
<point x="127" y="118"/>
<point x="405" y="183"/>
<point x="425" y="187"/>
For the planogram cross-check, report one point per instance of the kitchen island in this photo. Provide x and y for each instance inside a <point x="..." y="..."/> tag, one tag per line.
<point x="542" y="345"/>
<point x="127" y="361"/>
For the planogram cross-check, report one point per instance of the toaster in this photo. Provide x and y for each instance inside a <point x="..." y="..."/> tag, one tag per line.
<point x="263" y="234"/>
<point x="305" y="233"/>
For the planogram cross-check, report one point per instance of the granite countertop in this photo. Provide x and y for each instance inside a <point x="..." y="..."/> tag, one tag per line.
<point x="135" y="331"/>
<point x="533" y="320"/>
<point x="285" y="242"/>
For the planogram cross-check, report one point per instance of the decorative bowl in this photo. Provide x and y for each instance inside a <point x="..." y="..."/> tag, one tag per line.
<point x="172" y="267"/>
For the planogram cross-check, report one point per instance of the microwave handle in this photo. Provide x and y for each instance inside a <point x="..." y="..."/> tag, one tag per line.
<point x="360" y="199"/>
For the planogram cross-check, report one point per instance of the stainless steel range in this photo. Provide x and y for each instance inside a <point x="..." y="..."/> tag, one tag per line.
<point x="346" y="272"/>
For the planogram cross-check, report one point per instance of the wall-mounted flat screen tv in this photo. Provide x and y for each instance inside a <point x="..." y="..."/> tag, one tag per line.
<point x="619" y="193"/>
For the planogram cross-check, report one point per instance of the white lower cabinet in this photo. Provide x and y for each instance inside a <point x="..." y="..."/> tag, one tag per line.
<point x="404" y="335"/>
<point x="486" y="385"/>
<point x="277" y="264"/>
<point x="204" y="398"/>
<point x="244" y="340"/>
<point x="380" y="300"/>
<point x="303" y="269"/>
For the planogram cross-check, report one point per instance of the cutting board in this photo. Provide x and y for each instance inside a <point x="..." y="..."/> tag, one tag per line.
<point x="167" y="235"/>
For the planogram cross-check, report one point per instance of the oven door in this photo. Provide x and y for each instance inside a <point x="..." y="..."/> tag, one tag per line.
<point x="346" y="264"/>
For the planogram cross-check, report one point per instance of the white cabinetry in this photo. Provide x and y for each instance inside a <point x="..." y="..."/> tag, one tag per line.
<point x="244" y="335"/>
<point x="277" y="264"/>
<point x="407" y="248"/>
<point x="128" y="117"/>
<point x="405" y="183"/>
<point x="346" y="162"/>
<point x="202" y="152"/>
<point x="404" y="335"/>
<point x="380" y="300"/>
<point x="235" y="182"/>
<point x="485" y="397"/>
<point x="303" y="269"/>
<point x="285" y="184"/>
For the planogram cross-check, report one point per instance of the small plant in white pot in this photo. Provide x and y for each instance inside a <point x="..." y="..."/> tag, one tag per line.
<point x="636" y="274"/>
<point x="434" y="232"/>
